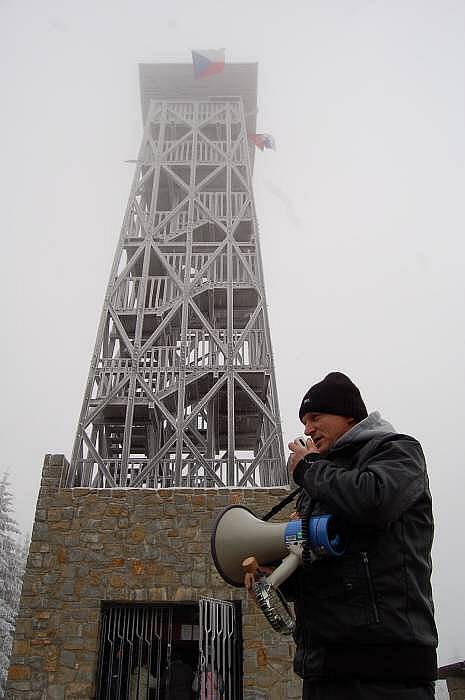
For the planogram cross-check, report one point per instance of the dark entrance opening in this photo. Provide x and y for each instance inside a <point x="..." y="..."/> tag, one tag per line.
<point x="165" y="651"/>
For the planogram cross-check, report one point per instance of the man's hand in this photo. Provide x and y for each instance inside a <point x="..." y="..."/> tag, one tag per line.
<point x="249" y="579"/>
<point x="298" y="452"/>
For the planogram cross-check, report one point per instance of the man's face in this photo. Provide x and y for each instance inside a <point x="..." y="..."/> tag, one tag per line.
<point x="325" y="429"/>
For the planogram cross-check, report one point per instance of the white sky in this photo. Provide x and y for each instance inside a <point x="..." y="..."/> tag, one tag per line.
<point x="361" y="213"/>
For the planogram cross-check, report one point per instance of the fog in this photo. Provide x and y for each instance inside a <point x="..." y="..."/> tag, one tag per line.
<point x="360" y="209"/>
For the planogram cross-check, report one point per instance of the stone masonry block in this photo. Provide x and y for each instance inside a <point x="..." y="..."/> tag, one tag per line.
<point x="55" y="692"/>
<point x="19" y="673"/>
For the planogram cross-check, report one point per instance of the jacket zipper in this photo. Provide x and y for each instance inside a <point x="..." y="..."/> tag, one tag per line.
<point x="370" y="586"/>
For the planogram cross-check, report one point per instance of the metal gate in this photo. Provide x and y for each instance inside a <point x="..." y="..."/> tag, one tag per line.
<point x="135" y="642"/>
<point x="219" y="674"/>
<point x="165" y="652"/>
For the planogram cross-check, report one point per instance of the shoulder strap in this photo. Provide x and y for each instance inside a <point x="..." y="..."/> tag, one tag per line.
<point x="282" y="504"/>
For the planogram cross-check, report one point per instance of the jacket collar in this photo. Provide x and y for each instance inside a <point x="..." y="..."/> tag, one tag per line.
<point x="371" y="426"/>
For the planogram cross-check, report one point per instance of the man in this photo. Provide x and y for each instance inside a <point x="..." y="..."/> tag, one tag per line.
<point x="179" y="679"/>
<point x="364" y="621"/>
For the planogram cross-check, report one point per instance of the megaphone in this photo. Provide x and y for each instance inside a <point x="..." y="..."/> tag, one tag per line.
<point x="238" y="535"/>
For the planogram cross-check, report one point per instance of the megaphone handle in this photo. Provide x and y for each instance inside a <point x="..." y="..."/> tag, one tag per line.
<point x="250" y="565"/>
<point x="287" y="567"/>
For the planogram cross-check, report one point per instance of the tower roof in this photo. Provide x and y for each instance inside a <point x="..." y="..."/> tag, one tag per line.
<point x="452" y="670"/>
<point x="162" y="81"/>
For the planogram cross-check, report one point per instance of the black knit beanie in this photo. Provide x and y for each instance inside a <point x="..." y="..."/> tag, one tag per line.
<point x="335" y="394"/>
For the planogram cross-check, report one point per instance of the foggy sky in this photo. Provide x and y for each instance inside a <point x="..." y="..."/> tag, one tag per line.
<point x="360" y="210"/>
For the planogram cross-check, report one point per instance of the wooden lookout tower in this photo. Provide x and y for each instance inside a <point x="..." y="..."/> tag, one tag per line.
<point x="181" y="390"/>
<point x="179" y="419"/>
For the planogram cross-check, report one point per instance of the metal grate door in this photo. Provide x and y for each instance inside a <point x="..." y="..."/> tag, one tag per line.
<point x="134" y="650"/>
<point x="219" y="674"/>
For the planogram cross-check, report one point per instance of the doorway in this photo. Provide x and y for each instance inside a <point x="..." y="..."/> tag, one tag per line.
<point x="179" y="651"/>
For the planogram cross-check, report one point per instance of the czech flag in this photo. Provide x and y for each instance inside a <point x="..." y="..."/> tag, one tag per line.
<point x="263" y="141"/>
<point x="208" y="62"/>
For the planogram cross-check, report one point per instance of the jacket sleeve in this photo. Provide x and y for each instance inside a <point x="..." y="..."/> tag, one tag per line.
<point x="378" y="492"/>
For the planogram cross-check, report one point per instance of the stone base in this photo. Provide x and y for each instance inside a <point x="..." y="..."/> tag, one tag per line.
<point x="456" y="688"/>
<point x="94" y="545"/>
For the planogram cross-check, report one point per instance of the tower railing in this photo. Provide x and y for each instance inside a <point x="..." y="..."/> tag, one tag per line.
<point x="270" y="473"/>
<point x="207" y="152"/>
<point x="203" y="352"/>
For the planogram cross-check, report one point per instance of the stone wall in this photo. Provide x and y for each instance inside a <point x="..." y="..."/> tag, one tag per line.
<point x="91" y="545"/>
<point x="456" y="688"/>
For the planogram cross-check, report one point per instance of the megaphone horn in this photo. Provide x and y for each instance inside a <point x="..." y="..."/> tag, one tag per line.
<point x="238" y="534"/>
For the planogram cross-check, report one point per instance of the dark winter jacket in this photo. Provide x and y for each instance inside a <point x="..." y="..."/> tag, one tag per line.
<point x="369" y="613"/>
